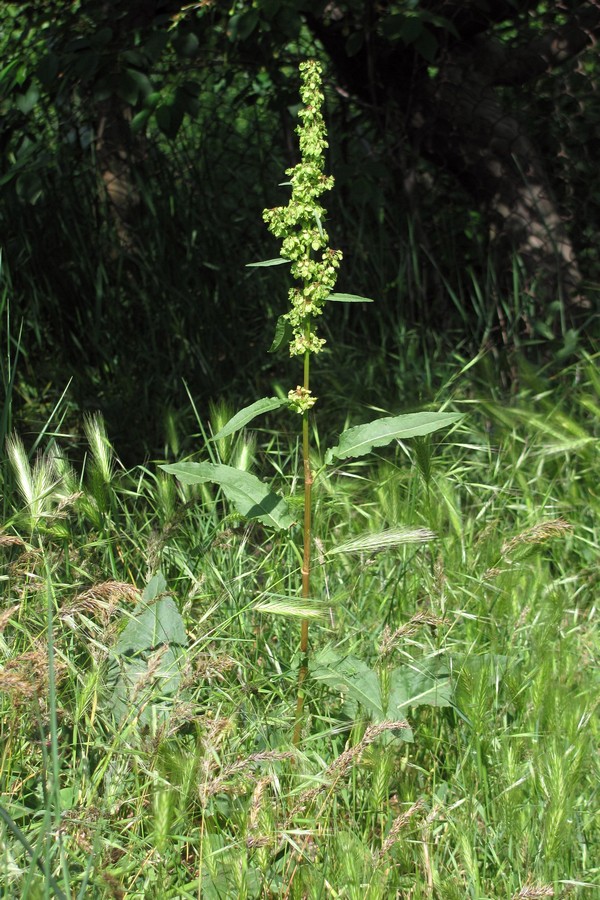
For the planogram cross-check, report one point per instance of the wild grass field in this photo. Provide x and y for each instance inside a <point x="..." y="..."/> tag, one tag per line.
<point x="149" y="654"/>
<point x="150" y="662"/>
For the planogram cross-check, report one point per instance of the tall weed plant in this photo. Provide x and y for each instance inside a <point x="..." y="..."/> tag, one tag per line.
<point x="313" y="265"/>
<point x="165" y="732"/>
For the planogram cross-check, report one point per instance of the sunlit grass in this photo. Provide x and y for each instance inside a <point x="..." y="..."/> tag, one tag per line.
<point x="497" y="794"/>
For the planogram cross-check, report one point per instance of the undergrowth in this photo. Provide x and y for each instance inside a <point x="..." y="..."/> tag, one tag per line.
<point x="131" y="768"/>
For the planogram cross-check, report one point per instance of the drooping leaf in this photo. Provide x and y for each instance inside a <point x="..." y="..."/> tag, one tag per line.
<point x="267" y="262"/>
<point x="349" y="298"/>
<point x="250" y="496"/>
<point x="241" y="418"/>
<point x="361" y="439"/>
<point x="384" y="540"/>
<point x="423" y="683"/>
<point x="283" y="334"/>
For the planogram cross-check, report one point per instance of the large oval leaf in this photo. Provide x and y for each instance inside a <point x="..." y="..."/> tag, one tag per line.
<point x="266" y="404"/>
<point x="362" y="438"/>
<point x="250" y="496"/>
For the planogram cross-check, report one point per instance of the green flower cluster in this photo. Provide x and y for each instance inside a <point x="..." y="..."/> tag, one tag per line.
<point x="305" y="241"/>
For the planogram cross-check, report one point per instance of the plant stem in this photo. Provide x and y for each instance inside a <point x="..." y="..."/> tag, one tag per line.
<point x="308" y="482"/>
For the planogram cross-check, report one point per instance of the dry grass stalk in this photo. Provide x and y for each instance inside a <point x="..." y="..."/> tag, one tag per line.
<point x="207" y="666"/>
<point x="256" y="817"/>
<point x="6" y="614"/>
<point x="532" y="892"/>
<point x="340" y="766"/>
<point x="397" y="825"/>
<point x="538" y="534"/>
<point x="243" y="768"/>
<point x="26" y="676"/>
<point x="10" y="540"/>
<point x="390" y="640"/>
<point x="103" y="599"/>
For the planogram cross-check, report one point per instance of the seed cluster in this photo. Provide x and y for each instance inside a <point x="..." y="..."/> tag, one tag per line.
<point x="300" y="223"/>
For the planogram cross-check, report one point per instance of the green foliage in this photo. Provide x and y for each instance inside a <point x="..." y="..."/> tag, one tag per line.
<point x="246" y="415"/>
<point x="250" y="496"/>
<point x="426" y="683"/>
<point x="495" y="623"/>
<point x="462" y="572"/>
<point x="145" y="666"/>
<point x="361" y="439"/>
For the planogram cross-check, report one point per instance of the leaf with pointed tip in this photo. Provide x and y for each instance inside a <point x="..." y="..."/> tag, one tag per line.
<point x="241" y="418"/>
<point x="267" y="262"/>
<point x="362" y="438"/>
<point x="152" y="625"/>
<point x="283" y="334"/>
<point x="250" y="496"/>
<point x="349" y="298"/>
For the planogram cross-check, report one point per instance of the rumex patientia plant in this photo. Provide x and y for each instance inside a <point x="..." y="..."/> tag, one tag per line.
<point x="314" y="266"/>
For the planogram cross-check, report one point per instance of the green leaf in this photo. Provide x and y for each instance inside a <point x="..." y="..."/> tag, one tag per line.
<point x="153" y="624"/>
<point x="349" y="298"/>
<point x="186" y="44"/>
<point x="156" y="586"/>
<point x="26" y="102"/>
<point x="142" y="81"/>
<point x="352" y="677"/>
<point x="140" y="120"/>
<point x="362" y="438"/>
<point x="268" y="262"/>
<point x="250" y="496"/>
<point x="354" y="43"/>
<point x="163" y="118"/>
<point x="283" y="334"/>
<point x="146" y="664"/>
<point x="410" y="687"/>
<point x="242" y="25"/>
<point x="384" y="540"/>
<point x="266" y="404"/>
<point x="128" y="87"/>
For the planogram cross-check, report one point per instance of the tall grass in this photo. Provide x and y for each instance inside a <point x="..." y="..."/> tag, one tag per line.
<point x="496" y="794"/>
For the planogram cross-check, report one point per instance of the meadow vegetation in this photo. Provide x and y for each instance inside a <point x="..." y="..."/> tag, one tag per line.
<point x="149" y="632"/>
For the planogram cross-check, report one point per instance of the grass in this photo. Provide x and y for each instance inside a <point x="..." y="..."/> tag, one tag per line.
<point x="197" y="790"/>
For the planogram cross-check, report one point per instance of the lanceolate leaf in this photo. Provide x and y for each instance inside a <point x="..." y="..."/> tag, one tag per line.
<point x="362" y="438"/>
<point x="349" y="298"/>
<point x="250" y="496"/>
<point x="283" y="334"/>
<point x="267" y="262"/>
<point x="241" y="419"/>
